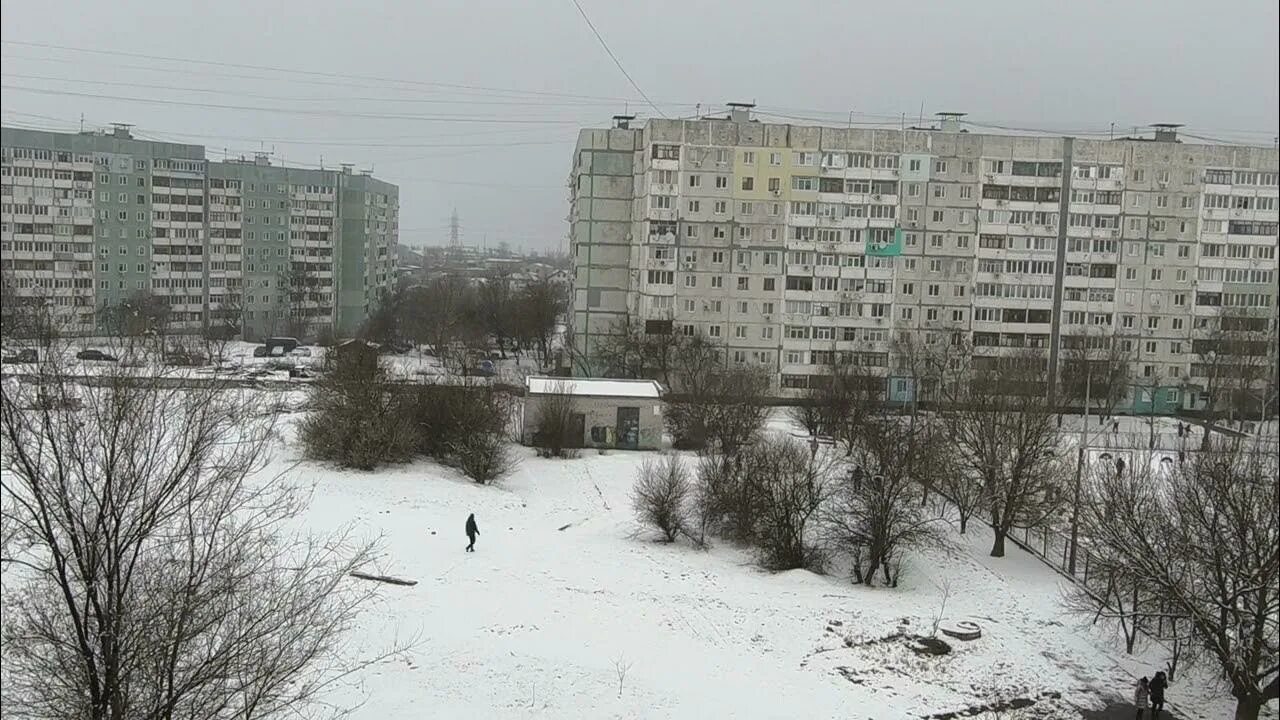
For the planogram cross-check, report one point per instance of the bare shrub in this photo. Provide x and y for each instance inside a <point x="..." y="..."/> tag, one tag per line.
<point x="793" y="485"/>
<point x="145" y="573"/>
<point x="661" y="495"/>
<point x="727" y="500"/>
<point x="358" y="421"/>
<point x="766" y="495"/>
<point x="554" y="426"/>
<point x="484" y="456"/>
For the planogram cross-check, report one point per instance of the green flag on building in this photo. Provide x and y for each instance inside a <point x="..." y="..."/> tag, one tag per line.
<point x="889" y="249"/>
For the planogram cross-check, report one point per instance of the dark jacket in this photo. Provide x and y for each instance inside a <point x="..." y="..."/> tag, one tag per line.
<point x="472" y="529"/>
<point x="1157" y="686"/>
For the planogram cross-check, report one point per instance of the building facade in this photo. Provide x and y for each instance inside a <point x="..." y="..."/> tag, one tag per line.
<point x="92" y="220"/>
<point x="802" y="246"/>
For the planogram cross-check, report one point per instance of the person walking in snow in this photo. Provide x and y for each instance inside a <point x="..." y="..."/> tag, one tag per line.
<point x="1157" y="687"/>
<point x="1140" y="697"/>
<point x="472" y="532"/>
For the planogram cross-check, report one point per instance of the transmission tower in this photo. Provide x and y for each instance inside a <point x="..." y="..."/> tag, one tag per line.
<point x="454" y="230"/>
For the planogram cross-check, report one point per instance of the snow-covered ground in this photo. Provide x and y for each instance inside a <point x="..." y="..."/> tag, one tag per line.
<point x="565" y="587"/>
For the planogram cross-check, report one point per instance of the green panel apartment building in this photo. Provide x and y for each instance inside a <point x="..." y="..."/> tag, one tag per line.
<point x="92" y="219"/>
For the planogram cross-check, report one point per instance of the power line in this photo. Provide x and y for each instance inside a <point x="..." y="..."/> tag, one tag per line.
<point x="617" y="62"/>
<point x="522" y="102"/>
<point x="312" y="73"/>
<point x="292" y="111"/>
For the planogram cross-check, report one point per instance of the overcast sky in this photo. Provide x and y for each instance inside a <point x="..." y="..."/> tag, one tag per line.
<point x="489" y="95"/>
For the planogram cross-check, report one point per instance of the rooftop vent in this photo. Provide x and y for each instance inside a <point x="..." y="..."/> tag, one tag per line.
<point x="1166" y="132"/>
<point x="262" y="158"/>
<point x="740" y="112"/>
<point x="121" y="130"/>
<point x="950" y="121"/>
<point x="623" y="122"/>
<point x="346" y="168"/>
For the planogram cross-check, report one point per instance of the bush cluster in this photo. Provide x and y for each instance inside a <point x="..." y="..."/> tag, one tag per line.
<point x="362" y="420"/>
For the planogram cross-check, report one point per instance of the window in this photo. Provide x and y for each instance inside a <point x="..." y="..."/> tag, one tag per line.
<point x="748" y="158"/>
<point x="748" y="183"/>
<point x="720" y="207"/>
<point x="775" y="158"/>
<point x="940" y="166"/>
<point x="744" y="283"/>
<point x="722" y="182"/>
<point x="966" y="192"/>
<point x="717" y="281"/>
<point x="659" y="202"/>
<point x="695" y="206"/>
<point x="694" y="181"/>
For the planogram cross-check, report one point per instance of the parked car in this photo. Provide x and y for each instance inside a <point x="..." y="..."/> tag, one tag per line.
<point x="301" y="352"/>
<point x="284" y="344"/>
<point x="486" y="368"/>
<point x="95" y="355"/>
<point x="25" y="355"/>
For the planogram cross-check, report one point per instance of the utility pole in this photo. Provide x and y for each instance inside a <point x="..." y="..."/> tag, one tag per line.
<point x="454" y="228"/>
<point x="1075" y="494"/>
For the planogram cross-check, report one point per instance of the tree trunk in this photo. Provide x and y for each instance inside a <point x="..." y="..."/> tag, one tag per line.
<point x="1248" y="708"/>
<point x="964" y="522"/>
<point x="997" y="548"/>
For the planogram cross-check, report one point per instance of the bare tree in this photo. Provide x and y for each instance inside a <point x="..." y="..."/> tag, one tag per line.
<point x="302" y="308"/>
<point x="554" y="424"/>
<point x="661" y="494"/>
<point x="848" y="401"/>
<point x="495" y="311"/>
<point x="538" y="311"/>
<point x="1001" y="430"/>
<point x="1096" y="369"/>
<point x="224" y="323"/>
<point x="876" y="511"/>
<point x="1237" y="354"/>
<point x="1204" y="537"/>
<point x="147" y="573"/>
<point x="28" y="315"/>
<point x="724" y="412"/>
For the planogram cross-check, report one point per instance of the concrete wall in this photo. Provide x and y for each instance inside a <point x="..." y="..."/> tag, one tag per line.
<point x="603" y="412"/>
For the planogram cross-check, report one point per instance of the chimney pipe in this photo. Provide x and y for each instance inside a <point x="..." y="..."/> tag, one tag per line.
<point x="623" y="122"/>
<point x="121" y="130"/>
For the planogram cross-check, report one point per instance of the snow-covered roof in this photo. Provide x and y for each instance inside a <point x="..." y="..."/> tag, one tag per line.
<point x="600" y="387"/>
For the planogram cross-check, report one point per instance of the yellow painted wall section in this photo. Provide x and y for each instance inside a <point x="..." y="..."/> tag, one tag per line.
<point x="762" y="171"/>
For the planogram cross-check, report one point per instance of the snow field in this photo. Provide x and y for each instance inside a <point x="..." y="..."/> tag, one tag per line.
<point x="537" y="622"/>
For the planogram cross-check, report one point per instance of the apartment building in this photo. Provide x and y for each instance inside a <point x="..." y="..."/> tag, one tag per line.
<point x="800" y="246"/>
<point x="90" y="220"/>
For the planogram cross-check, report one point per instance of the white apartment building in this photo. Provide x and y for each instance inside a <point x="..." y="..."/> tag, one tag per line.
<point x="800" y="246"/>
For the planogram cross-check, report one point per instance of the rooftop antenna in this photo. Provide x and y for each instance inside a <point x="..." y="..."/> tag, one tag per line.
<point x="81" y="122"/>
